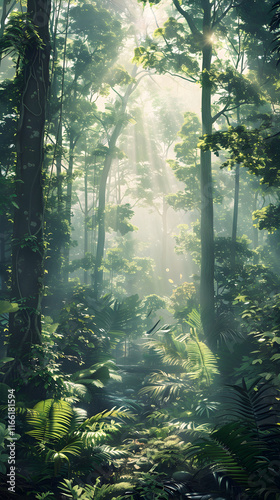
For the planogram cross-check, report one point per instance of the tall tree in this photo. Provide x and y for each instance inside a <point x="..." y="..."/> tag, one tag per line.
<point x="110" y="153"/>
<point x="28" y="241"/>
<point x="195" y="35"/>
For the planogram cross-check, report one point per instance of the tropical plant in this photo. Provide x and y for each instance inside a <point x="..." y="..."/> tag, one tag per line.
<point x="5" y="435"/>
<point x="188" y="362"/>
<point x="63" y="433"/>
<point x="244" y="452"/>
<point x="96" y="491"/>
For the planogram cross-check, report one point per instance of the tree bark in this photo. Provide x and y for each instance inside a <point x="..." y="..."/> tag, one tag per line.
<point x="28" y="239"/>
<point x="207" y="221"/>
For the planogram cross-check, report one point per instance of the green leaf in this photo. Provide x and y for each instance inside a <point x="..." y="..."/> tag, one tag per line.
<point x="50" y="420"/>
<point x="8" y="307"/>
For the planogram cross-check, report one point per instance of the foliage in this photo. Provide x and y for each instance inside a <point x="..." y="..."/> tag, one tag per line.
<point x="62" y="432"/>
<point x="184" y="300"/>
<point x="20" y="32"/>
<point x="243" y="449"/>
<point x="185" y="359"/>
<point x="117" y="218"/>
<point x="7" y="307"/>
<point x="5" y="435"/>
<point x="170" y="375"/>
<point x="186" y="165"/>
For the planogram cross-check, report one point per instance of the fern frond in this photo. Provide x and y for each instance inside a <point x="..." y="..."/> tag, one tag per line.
<point x="164" y="386"/>
<point x="202" y="363"/>
<point x="194" y="320"/>
<point x="50" y="420"/>
<point x="254" y="404"/>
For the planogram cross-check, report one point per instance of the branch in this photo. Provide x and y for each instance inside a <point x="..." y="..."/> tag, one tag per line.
<point x="188" y="18"/>
<point x="177" y="75"/>
<point x="221" y="17"/>
<point x="271" y="136"/>
<point x="80" y="205"/>
<point x="226" y="108"/>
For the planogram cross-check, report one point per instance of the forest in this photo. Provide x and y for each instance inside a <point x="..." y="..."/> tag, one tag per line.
<point x="139" y="249"/>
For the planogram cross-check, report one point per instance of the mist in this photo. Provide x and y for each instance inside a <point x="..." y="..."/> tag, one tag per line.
<point x="139" y="249"/>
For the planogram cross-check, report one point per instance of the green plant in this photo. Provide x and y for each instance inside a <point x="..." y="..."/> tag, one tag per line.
<point x="5" y="436"/>
<point x="186" y="360"/>
<point x="150" y="487"/>
<point x="47" y="495"/>
<point x="7" y="307"/>
<point x="63" y="434"/>
<point x="97" y="491"/>
<point x="244" y="452"/>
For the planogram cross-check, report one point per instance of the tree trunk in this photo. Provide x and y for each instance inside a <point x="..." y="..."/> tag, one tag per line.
<point x="235" y="217"/>
<point x="98" y="272"/>
<point x="235" y="210"/>
<point x="207" y="232"/>
<point x="68" y="206"/>
<point x="164" y="240"/>
<point x="7" y="7"/>
<point x="255" y="229"/>
<point x="86" y="219"/>
<point x="28" y="240"/>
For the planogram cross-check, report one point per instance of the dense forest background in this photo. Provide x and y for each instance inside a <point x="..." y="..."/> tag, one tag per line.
<point x="139" y="249"/>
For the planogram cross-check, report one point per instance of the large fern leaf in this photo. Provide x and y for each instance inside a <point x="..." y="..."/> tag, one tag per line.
<point x="50" y="420"/>
<point x="202" y="363"/>
<point x="255" y="404"/>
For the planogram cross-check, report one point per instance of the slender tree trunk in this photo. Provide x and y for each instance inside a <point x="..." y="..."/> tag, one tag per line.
<point x="207" y="232"/>
<point x="98" y="272"/>
<point x="164" y="239"/>
<point x="3" y="16"/>
<point x="235" y="210"/>
<point x="235" y="217"/>
<point x="7" y="7"/>
<point x="28" y="240"/>
<point x="86" y="218"/>
<point x="255" y="229"/>
<point x="68" y="207"/>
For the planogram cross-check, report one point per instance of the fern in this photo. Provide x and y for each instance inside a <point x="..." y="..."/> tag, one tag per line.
<point x="194" y="320"/>
<point x="63" y="433"/>
<point x="253" y="404"/>
<point x="163" y="386"/>
<point x="202" y="363"/>
<point x="186" y="354"/>
<point x="50" y="420"/>
<point x="248" y="445"/>
<point x="104" y="492"/>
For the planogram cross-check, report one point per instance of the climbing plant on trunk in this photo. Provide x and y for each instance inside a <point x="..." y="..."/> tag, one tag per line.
<point x="28" y="238"/>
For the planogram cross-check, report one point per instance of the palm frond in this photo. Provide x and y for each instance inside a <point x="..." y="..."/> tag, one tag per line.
<point x="101" y="426"/>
